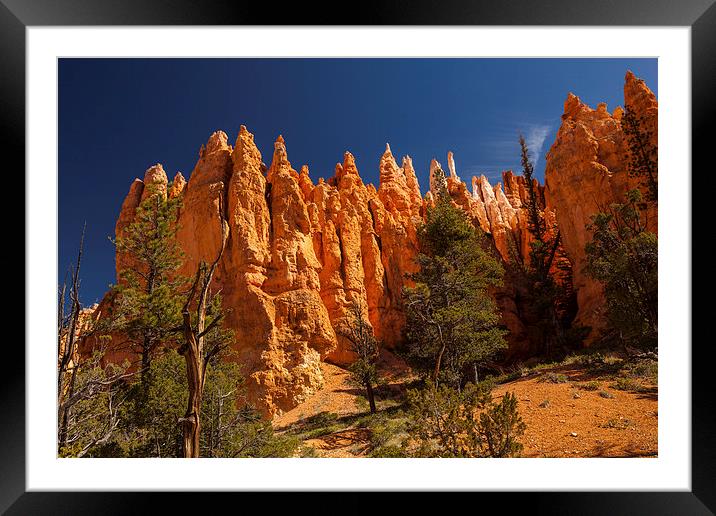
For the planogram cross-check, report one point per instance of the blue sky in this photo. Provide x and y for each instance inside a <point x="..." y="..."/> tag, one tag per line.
<point x="117" y="117"/>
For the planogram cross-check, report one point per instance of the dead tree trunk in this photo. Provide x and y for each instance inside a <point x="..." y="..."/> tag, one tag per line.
<point x="196" y="357"/>
<point x="67" y="351"/>
<point x="191" y="422"/>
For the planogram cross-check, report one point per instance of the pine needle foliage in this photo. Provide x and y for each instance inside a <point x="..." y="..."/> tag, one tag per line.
<point x="364" y="345"/>
<point x="643" y="155"/>
<point x="623" y="252"/>
<point x="452" y="321"/>
<point x="548" y="298"/>
<point x="444" y="422"/>
<point x="148" y="299"/>
<point x="623" y="256"/>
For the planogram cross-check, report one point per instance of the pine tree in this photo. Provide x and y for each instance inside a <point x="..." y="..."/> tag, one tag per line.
<point x="545" y="294"/>
<point x="147" y="301"/>
<point x="452" y="322"/>
<point x="230" y="427"/>
<point x="536" y="224"/>
<point x="623" y="256"/>
<point x="643" y="154"/>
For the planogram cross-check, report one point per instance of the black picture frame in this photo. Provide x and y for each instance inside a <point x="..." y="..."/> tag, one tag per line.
<point x="16" y="15"/>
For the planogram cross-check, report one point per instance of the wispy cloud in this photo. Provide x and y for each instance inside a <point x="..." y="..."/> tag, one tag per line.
<point x="535" y="138"/>
<point x="502" y="150"/>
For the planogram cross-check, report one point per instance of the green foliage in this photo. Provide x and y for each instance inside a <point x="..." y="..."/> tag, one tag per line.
<point x="150" y="238"/>
<point x="363" y="343"/>
<point x="514" y="374"/>
<point x="319" y="425"/>
<point x="308" y="452"/>
<point x="97" y="401"/>
<point x="230" y="428"/>
<point x="536" y="224"/>
<point x="643" y="155"/>
<point x="151" y="429"/>
<point x="147" y="310"/>
<point x="387" y="434"/>
<point x="452" y="322"/>
<point x="623" y="256"/>
<point x="146" y="315"/>
<point x="389" y="451"/>
<point x="551" y="303"/>
<point x="230" y="431"/>
<point x="444" y="422"/>
<point x="629" y="384"/>
<point x="596" y="361"/>
<point x="320" y="420"/>
<point x="590" y="386"/>
<point x="643" y="368"/>
<point x="542" y="248"/>
<point x="147" y="301"/>
<point x="500" y="426"/>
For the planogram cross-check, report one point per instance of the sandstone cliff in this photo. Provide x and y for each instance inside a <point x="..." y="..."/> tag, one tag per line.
<point x="301" y="253"/>
<point x="586" y="171"/>
<point x="298" y="255"/>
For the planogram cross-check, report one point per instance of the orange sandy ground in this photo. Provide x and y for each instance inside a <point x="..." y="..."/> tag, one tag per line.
<point x="575" y="422"/>
<point x="623" y="426"/>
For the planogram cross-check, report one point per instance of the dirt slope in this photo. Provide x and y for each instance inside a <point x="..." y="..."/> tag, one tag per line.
<point x="563" y="419"/>
<point x="582" y="423"/>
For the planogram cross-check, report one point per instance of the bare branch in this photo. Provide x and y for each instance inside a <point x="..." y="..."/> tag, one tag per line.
<point x="212" y="325"/>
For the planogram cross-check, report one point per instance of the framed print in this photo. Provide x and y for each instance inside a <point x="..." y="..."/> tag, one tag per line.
<point x="419" y="253"/>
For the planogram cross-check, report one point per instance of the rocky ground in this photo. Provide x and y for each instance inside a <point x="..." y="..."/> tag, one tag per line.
<point x="571" y="410"/>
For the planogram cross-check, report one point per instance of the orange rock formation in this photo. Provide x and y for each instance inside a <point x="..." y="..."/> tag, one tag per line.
<point x="300" y="254"/>
<point x="586" y="171"/>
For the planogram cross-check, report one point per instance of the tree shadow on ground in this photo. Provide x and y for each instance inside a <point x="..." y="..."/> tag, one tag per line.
<point x="651" y="393"/>
<point x="611" y="450"/>
<point x="360" y="418"/>
<point x="393" y="391"/>
<point x="628" y="453"/>
<point x="346" y="438"/>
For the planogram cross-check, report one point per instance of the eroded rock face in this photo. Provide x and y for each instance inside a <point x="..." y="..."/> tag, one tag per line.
<point x="501" y="211"/>
<point x="298" y="256"/>
<point x="300" y="253"/>
<point x="269" y="278"/>
<point x="155" y="182"/>
<point x="586" y="171"/>
<point x="126" y="216"/>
